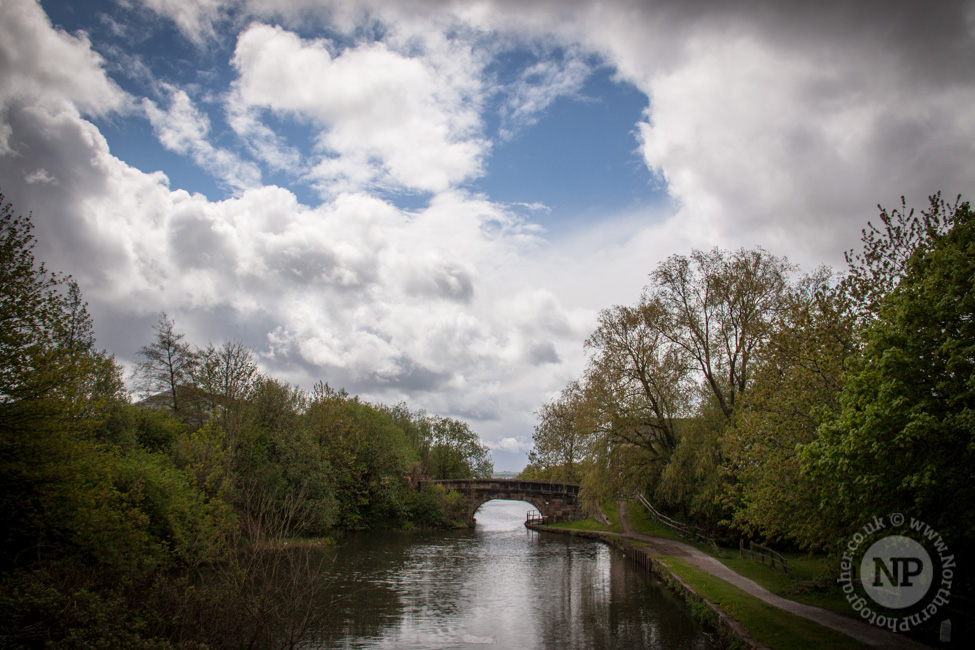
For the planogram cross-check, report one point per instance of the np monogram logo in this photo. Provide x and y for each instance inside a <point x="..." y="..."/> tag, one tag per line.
<point x="897" y="571"/>
<point x="905" y="572"/>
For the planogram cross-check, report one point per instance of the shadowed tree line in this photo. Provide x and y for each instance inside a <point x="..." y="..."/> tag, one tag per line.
<point x="164" y="523"/>
<point x="756" y="402"/>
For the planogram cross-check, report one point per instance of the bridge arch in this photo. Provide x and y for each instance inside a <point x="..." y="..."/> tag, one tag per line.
<point x="556" y="501"/>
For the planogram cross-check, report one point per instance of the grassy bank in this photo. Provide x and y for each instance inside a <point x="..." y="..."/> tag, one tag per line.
<point x="808" y="582"/>
<point x="767" y="624"/>
<point x="609" y="511"/>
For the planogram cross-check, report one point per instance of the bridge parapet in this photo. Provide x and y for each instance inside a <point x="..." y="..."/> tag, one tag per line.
<point x="556" y="501"/>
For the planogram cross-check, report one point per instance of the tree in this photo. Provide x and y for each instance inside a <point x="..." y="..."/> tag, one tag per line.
<point x="52" y="387"/>
<point x="283" y="480"/>
<point x="721" y="308"/>
<point x="222" y="378"/>
<point x="370" y="456"/>
<point x="456" y="451"/>
<point x="167" y="366"/>
<point x="904" y="438"/>
<point x="225" y="374"/>
<point x="876" y="270"/>
<point x="794" y="389"/>
<point x="32" y="320"/>
<point x="639" y="378"/>
<point x="563" y="436"/>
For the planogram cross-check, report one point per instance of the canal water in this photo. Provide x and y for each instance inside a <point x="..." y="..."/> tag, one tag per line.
<point x="499" y="584"/>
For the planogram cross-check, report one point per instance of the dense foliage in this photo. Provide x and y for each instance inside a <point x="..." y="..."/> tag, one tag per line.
<point x="152" y="525"/>
<point x="755" y="403"/>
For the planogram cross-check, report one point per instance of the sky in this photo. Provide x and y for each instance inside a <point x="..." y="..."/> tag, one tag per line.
<point x="430" y="201"/>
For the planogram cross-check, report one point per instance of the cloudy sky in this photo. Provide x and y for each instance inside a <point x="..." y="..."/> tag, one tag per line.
<point x="429" y="201"/>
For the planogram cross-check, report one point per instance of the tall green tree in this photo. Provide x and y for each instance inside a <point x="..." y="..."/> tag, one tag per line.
<point x="370" y="457"/>
<point x="638" y="379"/>
<point x="33" y="322"/>
<point x="563" y="436"/>
<point x="904" y="439"/>
<point x="794" y="389"/>
<point x="876" y="269"/>
<point x="456" y="451"/>
<point x="284" y="483"/>
<point x="52" y="387"/>
<point x="222" y="379"/>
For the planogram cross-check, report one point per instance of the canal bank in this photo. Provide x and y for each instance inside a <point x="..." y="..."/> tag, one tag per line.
<point x="732" y="633"/>
<point x="743" y="613"/>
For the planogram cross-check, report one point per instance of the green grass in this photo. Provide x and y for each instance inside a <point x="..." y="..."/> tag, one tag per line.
<point x="609" y="510"/>
<point x="580" y="524"/>
<point x="767" y="624"/>
<point x="612" y="513"/>
<point x="804" y="569"/>
<point x="641" y="522"/>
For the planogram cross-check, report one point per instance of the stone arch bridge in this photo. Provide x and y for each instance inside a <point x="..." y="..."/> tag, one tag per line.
<point x="555" y="501"/>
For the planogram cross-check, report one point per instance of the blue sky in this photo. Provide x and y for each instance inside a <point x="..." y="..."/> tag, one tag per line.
<point x="431" y="201"/>
<point x="580" y="157"/>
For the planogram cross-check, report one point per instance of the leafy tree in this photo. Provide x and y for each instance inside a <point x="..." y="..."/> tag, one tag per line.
<point x="694" y="480"/>
<point x="370" y="457"/>
<point x="417" y="427"/>
<point x="179" y="510"/>
<point x="794" y="389"/>
<point x="53" y="391"/>
<point x="563" y="436"/>
<point x="638" y="380"/>
<point x="875" y="271"/>
<point x="906" y="425"/>
<point x="226" y="373"/>
<point x="32" y="323"/>
<point x="456" y="451"/>
<point x="223" y="377"/>
<point x="284" y="483"/>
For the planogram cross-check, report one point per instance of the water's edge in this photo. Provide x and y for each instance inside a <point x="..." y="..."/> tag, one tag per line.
<point x="731" y="632"/>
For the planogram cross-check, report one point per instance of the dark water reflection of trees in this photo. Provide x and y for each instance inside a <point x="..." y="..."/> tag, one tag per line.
<point x="499" y="584"/>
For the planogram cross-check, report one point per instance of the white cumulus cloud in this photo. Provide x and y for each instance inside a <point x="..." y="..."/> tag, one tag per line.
<point x="774" y="123"/>
<point x="385" y="118"/>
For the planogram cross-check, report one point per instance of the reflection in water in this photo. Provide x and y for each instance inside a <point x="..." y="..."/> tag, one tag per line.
<point x="499" y="584"/>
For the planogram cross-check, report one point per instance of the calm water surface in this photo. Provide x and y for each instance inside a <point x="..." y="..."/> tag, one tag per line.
<point x="499" y="584"/>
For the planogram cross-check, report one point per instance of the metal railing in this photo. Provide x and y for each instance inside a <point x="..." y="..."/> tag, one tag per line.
<point x="534" y="517"/>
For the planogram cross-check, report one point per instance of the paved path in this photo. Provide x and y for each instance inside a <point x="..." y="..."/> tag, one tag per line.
<point x="867" y="634"/>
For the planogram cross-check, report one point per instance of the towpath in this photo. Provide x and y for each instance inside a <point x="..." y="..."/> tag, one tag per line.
<point x="867" y="634"/>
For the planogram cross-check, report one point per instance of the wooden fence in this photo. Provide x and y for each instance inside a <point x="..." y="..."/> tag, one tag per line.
<point x="682" y="529"/>
<point x="765" y="555"/>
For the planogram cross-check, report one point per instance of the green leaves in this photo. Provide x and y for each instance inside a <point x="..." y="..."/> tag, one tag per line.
<point x="664" y="379"/>
<point x="905" y="431"/>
